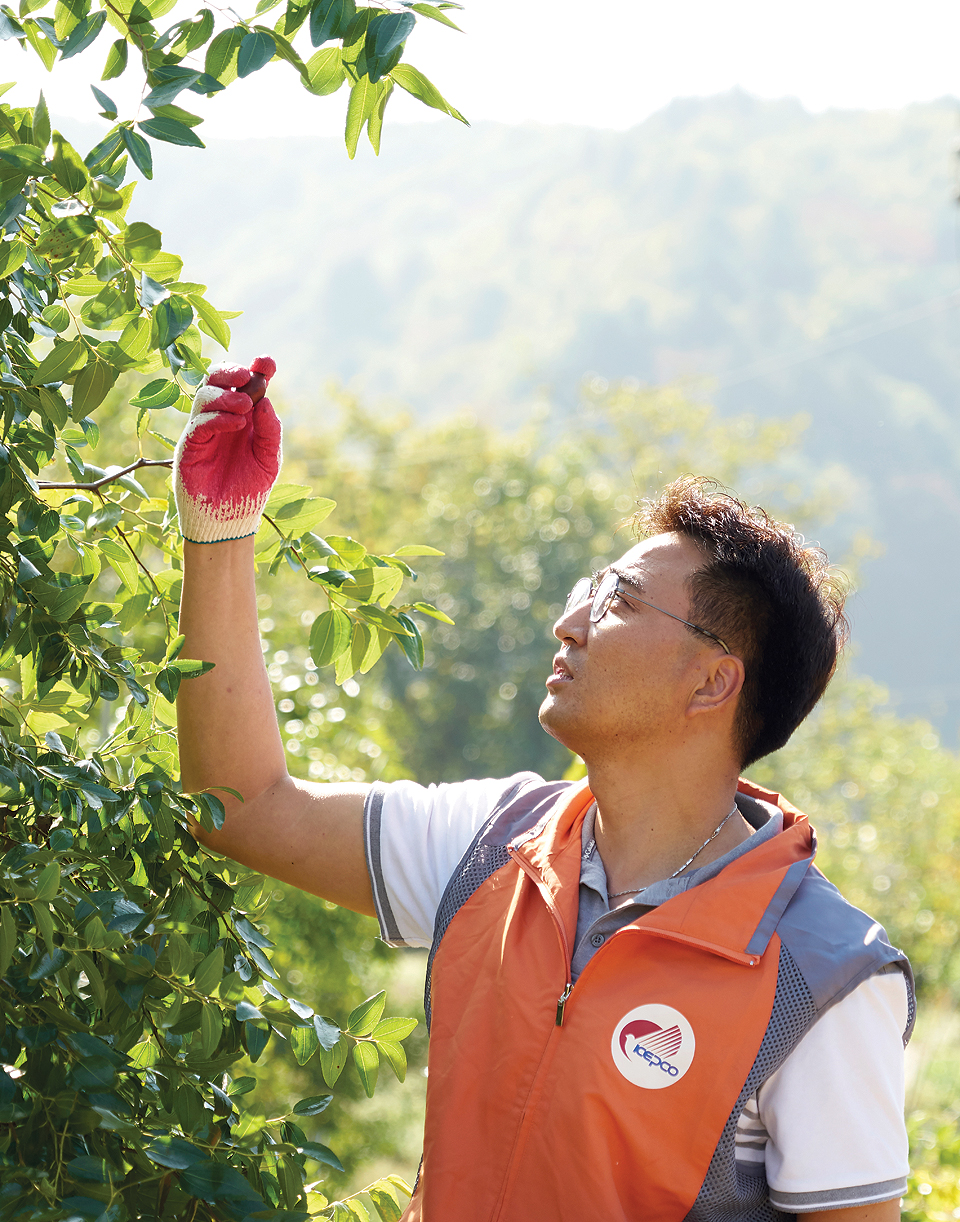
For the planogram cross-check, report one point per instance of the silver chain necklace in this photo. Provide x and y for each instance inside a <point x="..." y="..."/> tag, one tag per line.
<point x="713" y="835"/>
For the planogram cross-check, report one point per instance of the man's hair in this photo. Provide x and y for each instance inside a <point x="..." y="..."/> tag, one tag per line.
<point x="774" y="600"/>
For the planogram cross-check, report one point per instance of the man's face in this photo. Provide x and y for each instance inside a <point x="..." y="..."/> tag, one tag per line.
<point x="628" y="679"/>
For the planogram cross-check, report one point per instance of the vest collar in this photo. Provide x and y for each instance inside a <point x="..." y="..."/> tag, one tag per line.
<point x="733" y="914"/>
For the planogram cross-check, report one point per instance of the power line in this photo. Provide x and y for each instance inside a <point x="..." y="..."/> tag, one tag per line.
<point x="836" y="342"/>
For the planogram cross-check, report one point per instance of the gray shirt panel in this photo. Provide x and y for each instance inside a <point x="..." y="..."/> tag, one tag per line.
<point x="596" y="921"/>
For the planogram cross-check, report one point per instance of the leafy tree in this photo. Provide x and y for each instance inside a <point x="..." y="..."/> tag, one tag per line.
<point x="134" y="973"/>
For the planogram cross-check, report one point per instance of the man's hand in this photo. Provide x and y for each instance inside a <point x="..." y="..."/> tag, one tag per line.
<point x="228" y="458"/>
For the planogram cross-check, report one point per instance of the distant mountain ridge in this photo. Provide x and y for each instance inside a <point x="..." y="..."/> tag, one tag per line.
<point x="497" y="265"/>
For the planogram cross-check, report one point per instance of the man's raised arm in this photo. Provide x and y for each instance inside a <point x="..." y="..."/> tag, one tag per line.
<point x="305" y="834"/>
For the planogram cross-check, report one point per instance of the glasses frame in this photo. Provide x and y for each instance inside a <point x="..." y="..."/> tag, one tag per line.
<point x="602" y="592"/>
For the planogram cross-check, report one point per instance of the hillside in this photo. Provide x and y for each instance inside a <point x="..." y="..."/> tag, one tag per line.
<point x="495" y="266"/>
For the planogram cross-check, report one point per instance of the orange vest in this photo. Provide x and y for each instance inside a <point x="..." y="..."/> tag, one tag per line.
<point x="542" y="1111"/>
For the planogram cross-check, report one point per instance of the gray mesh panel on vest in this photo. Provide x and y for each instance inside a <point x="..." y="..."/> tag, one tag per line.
<point x="483" y="861"/>
<point x="733" y="1191"/>
<point x="522" y="809"/>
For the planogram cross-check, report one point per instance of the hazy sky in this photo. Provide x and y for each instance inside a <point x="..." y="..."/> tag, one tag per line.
<point x="607" y="63"/>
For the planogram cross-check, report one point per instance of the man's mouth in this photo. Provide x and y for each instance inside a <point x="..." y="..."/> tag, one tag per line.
<point x="561" y="672"/>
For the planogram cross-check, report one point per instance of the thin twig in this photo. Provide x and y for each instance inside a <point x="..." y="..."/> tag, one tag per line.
<point x="97" y="484"/>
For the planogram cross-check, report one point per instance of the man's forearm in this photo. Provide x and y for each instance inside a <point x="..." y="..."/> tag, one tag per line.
<point x="227" y="725"/>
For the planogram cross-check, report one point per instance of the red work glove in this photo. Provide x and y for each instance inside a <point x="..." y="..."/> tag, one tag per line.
<point x="228" y="458"/>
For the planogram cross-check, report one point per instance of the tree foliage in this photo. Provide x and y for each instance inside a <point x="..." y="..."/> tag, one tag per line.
<point x="135" y="974"/>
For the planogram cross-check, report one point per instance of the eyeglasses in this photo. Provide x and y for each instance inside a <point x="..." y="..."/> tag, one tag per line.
<point x="611" y="587"/>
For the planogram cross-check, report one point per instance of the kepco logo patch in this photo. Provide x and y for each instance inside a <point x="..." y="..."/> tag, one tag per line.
<point x="653" y="1046"/>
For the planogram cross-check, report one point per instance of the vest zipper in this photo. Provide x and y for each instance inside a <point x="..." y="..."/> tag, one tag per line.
<point x="520" y="1137"/>
<point x="544" y="890"/>
<point x="562" y="1001"/>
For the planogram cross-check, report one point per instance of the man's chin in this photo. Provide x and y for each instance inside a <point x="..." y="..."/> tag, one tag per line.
<point x="552" y="720"/>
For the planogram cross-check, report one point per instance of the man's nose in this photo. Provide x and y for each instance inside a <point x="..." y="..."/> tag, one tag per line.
<point x="574" y="625"/>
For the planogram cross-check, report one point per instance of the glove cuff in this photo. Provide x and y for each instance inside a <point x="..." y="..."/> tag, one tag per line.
<point x="203" y="522"/>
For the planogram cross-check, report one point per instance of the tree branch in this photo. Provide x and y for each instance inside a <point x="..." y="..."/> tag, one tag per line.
<point x="108" y="479"/>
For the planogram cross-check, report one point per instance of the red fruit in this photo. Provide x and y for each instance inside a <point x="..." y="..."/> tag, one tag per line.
<point x="255" y="388"/>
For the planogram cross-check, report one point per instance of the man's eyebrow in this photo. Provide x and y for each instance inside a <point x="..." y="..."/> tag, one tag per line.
<point x="631" y="581"/>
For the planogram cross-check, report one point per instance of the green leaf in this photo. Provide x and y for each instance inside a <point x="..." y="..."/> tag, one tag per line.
<point x="93" y="383"/>
<point x="366" y="1057"/>
<point x="89" y="1170"/>
<point x="373" y="585"/>
<point x="365" y="1017"/>
<point x="8" y="937"/>
<point x="67" y="165"/>
<point x="171" y="82"/>
<point x="327" y="1032"/>
<point x="175" y="1153"/>
<point x="107" y="104"/>
<point x="210" y="972"/>
<point x="396" y="1057"/>
<point x="116" y="60"/>
<point x="394" y="1028"/>
<point x="325" y="71"/>
<point x="139" y="150"/>
<point x="221" y="57"/>
<point x="363" y="97"/>
<point x="330" y="19"/>
<point x="375" y="121"/>
<point x="428" y="10"/>
<point x="60" y="361"/>
<point x="411" y="645"/>
<point x="349" y="550"/>
<point x="156" y="394"/>
<point x="387" y="31"/>
<point x="413" y="81"/>
<point x="123" y="564"/>
<point x="24" y="156"/>
<point x="210" y="320"/>
<point x="135" y="338"/>
<point x="255" y="1039"/>
<point x="57" y="317"/>
<point x="211" y="1029"/>
<point x="48" y="884"/>
<point x="416" y="549"/>
<point x="173" y="316"/>
<point x="164" y="267"/>
<point x="321" y="1153"/>
<point x="332" y="1061"/>
<point x="313" y="1105"/>
<point x="386" y="1200"/>
<point x="172" y="131"/>
<point x="12" y="256"/>
<point x="82" y="35"/>
<point x="256" y="49"/>
<point x="44" y="48"/>
<point x="330" y="636"/>
<point x="50" y="964"/>
<point x="41" y="123"/>
<point x="304" y="1042"/>
<point x="168" y="684"/>
<point x="433" y="612"/>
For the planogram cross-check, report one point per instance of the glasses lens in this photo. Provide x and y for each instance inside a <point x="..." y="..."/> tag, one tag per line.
<point x="604" y="596"/>
<point x="579" y="594"/>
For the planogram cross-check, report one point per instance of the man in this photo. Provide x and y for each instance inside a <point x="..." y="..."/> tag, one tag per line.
<point x="646" y="1002"/>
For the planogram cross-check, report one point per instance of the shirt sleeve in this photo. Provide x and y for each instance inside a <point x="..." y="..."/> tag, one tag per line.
<point x="834" y="1110"/>
<point x="415" y="835"/>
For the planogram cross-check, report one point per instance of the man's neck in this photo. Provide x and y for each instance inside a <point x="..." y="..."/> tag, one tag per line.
<point x="652" y="817"/>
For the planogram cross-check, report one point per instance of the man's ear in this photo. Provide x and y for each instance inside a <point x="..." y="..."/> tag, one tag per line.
<point x="721" y="684"/>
